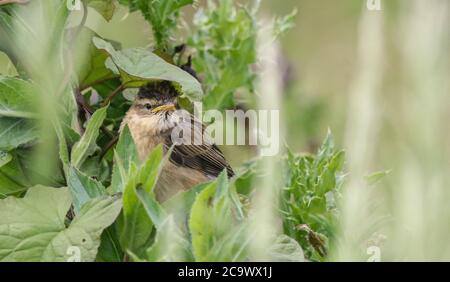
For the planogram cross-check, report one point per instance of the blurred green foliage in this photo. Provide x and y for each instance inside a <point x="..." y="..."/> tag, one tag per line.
<point x="225" y="44"/>
<point x="309" y="200"/>
<point x="209" y="223"/>
<point x="162" y="15"/>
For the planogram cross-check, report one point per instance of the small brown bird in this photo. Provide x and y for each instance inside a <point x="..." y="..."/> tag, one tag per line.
<point x="151" y="122"/>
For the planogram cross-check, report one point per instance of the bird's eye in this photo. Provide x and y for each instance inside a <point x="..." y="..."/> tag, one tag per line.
<point x="148" y="106"/>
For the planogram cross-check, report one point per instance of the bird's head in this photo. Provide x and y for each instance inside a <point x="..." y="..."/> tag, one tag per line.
<point x="152" y="112"/>
<point x="156" y="99"/>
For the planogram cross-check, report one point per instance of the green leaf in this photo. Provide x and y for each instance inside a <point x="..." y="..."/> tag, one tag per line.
<point x="225" y="40"/>
<point x="16" y="98"/>
<point x="97" y="168"/>
<point x="284" y="24"/>
<point x="105" y="8"/>
<point x="170" y="244"/>
<point x="89" y="62"/>
<point x="6" y="32"/>
<point x="12" y="177"/>
<point x="217" y="234"/>
<point x="16" y="20"/>
<point x="376" y="177"/>
<point x="62" y="145"/>
<point x="309" y="199"/>
<point x="337" y="162"/>
<point x="286" y="249"/>
<point x="136" y="226"/>
<point x="5" y="158"/>
<point x="202" y="231"/>
<point x="326" y="149"/>
<point x="138" y="67"/>
<point x="86" y="146"/>
<point x="327" y="181"/>
<point x="110" y="250"/>
<point x="124" y="155"/>
<point x="22" y="172"/>
<point x="225" y="189"/>
<point x="15" y="132"/>
<point x="222" y="186"/>
<point x="180" y="204"/>
<point x="33" y="228"/>
<point x="152" y="207"/>
<point x="150" y="170"/>
<point x="83" y="188"/>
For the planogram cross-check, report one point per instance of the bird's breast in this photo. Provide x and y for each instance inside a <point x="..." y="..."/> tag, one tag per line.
<point x="145" y="133"/>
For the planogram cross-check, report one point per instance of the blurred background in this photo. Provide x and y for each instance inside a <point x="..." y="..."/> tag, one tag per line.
<point x="379" y="80"/>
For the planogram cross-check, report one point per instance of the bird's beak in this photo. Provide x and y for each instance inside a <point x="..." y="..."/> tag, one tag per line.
<point x="164" y="108"/>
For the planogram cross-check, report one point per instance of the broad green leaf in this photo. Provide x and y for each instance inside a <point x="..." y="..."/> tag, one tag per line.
<point x="222" y="186"/>
<point x="5" y="158"/>
<point x="225" y="189"/>
<point x="124" y="154"/>
<point x="12" y="177"/>
<point x="67" y="116"/>
<point x="33" y="228"/>
<point x="62" y="145"/>
<point x="286" y="249"/>
<point x="6" y="32"/>
<point x="152" y="207"/>
<point x="327" y="181"/>
<point x="170" y="244"/>
<point x="110" y="250"/>
<point x="201" y="223"/>
<point x="90" y="61"/>
<point x="16" y="98"/>
<point x="83" y="188"/>
<point x="86" y="146"/>
<point x="150" y="170"/>
<point x="97" y="168"/>
<point x="136" y="226"/>
<point x="217" y="234"/>
<point x="15" y="20"/>
<point x="39" y="170"/>
<point x="105" y="8"/>
<point x="138" y="67"/>
<point x="337" y="162"/>
<point x="96" y="215"/>
<point x="15" y="132"/>
<point x="180" y="204"/>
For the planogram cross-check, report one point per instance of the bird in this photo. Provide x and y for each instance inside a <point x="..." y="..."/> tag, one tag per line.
<point x="151" y="120"/>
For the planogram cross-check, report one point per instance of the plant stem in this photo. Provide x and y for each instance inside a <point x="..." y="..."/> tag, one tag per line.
<point x="112" y="95"/>
<point x="84" y="87"/>
<point x="88" y="112"/>
<point x="109" y="146"/>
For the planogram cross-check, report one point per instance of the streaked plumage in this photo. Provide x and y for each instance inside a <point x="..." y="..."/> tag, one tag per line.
<point x="151" y="123"/>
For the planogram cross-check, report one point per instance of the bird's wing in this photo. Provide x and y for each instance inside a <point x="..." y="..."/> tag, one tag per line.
<point x="205" y="157"/>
